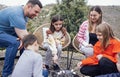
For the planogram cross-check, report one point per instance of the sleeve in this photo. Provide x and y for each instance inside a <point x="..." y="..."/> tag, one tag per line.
<point x="45" y="34"/>
<point x="52" y="44"/>
<point x="116" y="46"/>
<point x="38" y="67"/>
<point x="90" y="61"/>
<point x="81" y="33"/>
<point x="17" y="21"/>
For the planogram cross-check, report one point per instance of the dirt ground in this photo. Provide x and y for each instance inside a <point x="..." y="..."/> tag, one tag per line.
<point x="64" y="63"/>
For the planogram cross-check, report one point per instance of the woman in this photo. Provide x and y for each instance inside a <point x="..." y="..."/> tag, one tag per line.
<point x="105" y="50"/>
<point x="86" y="35"/>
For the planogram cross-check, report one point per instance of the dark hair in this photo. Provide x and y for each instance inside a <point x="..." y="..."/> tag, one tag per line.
<point x="54" y="19"/>
<point x="34" y="2"/>
<point x="29" y="40"/>
<point x="99" y="11"/>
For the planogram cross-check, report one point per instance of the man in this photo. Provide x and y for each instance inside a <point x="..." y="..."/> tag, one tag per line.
<point x="13" y="22"/>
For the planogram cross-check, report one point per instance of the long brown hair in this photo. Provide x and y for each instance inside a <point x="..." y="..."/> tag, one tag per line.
<point x="107" y="33"/>
<point x="99" y="11"/>
<point x="52" y="28"/>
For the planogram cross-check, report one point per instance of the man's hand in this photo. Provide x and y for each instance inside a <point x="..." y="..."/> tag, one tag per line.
<point x="21" y="44"/>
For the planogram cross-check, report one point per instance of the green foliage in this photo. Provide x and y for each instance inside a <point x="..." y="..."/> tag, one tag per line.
<point x="42" y="18"/>
<point x="74" y="13"/>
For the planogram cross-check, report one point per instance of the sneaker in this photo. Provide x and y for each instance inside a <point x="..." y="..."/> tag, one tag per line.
<point x="47" y="67"/>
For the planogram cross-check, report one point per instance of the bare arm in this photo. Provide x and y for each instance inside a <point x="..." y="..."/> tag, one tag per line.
<point x="21" y="33"/>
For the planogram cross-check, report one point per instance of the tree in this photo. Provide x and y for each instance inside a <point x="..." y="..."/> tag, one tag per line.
<point x="74" y="13"/>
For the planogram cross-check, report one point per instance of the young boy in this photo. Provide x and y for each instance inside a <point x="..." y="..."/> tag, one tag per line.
<point x="30" y="62"/>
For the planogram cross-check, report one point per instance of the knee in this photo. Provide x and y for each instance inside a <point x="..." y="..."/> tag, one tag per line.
<point x="103" y="61"/>
<point x="83" y="71"/>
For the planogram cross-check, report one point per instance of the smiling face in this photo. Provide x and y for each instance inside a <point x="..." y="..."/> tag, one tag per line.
<point x="57" y="25"/>
<point x="33" y="11"/>
<point x="94" y="16"/>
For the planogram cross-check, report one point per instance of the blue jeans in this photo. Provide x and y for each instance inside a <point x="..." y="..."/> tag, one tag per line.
<point x="11" y="44"/>
<point x="45" y="73"/>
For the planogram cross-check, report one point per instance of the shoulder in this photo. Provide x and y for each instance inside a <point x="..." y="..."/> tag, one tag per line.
<point x="84" y="24"/>
<point x="97" y="44"/>
<point x="13" y="10"/>
<point x="49" y="31"/>
<point x="64" y="29"/>
<point x="114" y="41"/>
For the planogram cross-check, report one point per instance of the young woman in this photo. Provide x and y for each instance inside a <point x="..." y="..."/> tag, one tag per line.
<point x="55" y="39"/>
<point x="105" y="50"/>
<point x="86" y="35"/>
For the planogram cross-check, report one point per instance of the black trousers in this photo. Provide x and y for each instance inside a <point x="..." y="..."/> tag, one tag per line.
<point x="105" y="66"/>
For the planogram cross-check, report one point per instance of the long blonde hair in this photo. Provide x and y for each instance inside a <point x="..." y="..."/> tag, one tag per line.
<point x="99" y="11"/>
<point x="106" y="31"/>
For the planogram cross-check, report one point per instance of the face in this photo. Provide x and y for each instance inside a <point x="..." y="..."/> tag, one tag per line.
<point x="99" y="36"/>
<point x="94" y="16"/>
<point x="58" y="25"/>
<point x="33" y="11"/>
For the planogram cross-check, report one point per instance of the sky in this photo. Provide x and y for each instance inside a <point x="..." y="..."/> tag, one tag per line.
<point x="23" y="2"/>
<point x="104" y="2"/>
<point x="44" y="2"/>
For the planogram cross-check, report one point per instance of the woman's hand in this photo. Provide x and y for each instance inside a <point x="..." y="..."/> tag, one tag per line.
<point x="90" y="45"/>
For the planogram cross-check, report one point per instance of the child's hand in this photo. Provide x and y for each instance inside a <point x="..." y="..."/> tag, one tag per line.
<point x="55" y="58"/>
<point x="99" y="56"/>
<point x="118" y="66"/>
<point x="57" y="41"/>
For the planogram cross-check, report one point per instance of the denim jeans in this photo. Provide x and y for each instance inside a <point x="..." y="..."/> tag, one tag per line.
<point x="11" y="44"/>
<point x="45" y="72"/>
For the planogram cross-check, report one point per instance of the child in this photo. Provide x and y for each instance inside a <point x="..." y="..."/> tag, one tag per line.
<point x="86" y="35"/>
<point x="105" y="50"/>
<point x="53" y="43"/>
<point x="30" y="62"/>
